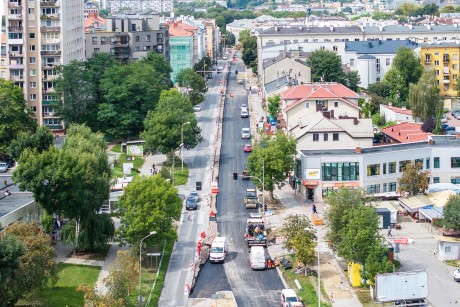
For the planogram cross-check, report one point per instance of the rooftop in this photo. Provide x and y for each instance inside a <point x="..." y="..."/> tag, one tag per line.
<point x="297" y="56"/>
<point x="379" y="47"/>
<point x="397" y="110"/>
<point x="16" y="200"/>
<point x="406" y="133"/>
<point x="439" y="44"/>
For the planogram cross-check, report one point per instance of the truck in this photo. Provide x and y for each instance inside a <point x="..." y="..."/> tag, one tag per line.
<point x="256" y="234"/>
<point x="219" y="249"/>
<point x="251" y="200"/>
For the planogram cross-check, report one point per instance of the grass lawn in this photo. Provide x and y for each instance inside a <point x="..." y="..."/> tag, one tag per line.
<point x="116" y="148"/>
<point x="118" y="168"/>
<point x="308" y="293"/>
<point x="180" y="178"/>
<point x="70" y="276"/>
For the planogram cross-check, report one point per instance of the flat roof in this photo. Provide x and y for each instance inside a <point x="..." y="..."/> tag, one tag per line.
<point x="16" y="200"/>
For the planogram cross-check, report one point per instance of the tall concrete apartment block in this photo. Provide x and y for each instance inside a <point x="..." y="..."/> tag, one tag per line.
<point x="129" y="38"/>
<point x="41" y="34"/>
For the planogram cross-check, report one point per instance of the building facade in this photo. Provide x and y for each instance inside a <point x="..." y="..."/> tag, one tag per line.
<point x="41" y="35"/>
<point x="129" y="38"/>
<point x="376" y="168"/>
<point x="140" y="6"/>
<point x="444" y="59"/>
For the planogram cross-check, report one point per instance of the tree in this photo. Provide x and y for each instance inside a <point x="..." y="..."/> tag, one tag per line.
<point x="413" y="180"/>
<point x="272" y="161"/>
<point x="13" y="115"/>
<point x="361" y="234"/>
<point x="160" y="65"/>
<point x="37" y="267"/>
<point x="326" y="66"/>
<point x="194" y="84"/>
<point x="451" y="213"/>
<point x="398" y="89"/>
<point x="405" y="69"/>
<point x="429" y="125"/>
<point x="274" y="105"/>
<point x="250" y="53"/>
<point x="353" y="80"/>
<point x="163" y="127"/>
<point x="424" y="96"/>
<point x="376" y="263"/>
<point x="205" y="64"/>
<point x="41" y="140"/>
<point x="293" y="225"/>
<point x="244" y="36"/>
<point x="339" y="203"/>
<point x="379" y="88"/>
<point x="122" y="279"/>
<point x="304" y="247"/>
<point x="149" y="204"/>
<point x="11" y="251"/>
<point x="130" y="92"/>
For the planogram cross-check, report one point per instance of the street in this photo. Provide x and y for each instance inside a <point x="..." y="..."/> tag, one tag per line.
<point x="251" y="288"/>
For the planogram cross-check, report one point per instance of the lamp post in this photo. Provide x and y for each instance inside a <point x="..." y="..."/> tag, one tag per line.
<point x="182" y="143"/>
<point x="174" y="155"/>
<point x="139" y="299"/>
<point x="319" y="272"/>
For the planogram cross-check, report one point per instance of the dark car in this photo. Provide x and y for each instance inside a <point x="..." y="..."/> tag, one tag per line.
<point x="11" y="163"/>
<point x="191" y="204"/>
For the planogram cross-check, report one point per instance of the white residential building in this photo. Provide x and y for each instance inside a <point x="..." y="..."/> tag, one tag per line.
<point x="140" y="6"/>
<point x="395" y="114"/>
<point x="41" y="35"/>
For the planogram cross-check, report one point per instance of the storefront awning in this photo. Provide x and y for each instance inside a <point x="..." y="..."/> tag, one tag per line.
<point x="431" y="212"/>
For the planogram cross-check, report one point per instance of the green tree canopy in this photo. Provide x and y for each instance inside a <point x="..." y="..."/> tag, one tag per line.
<point x="13" y="115"/>
<point x="160" y="65"/>
<point x="424" y="96"/>
<point x="205" y="64"/>
<point x="249" y="54"/>
<point x="413" y="180"/>
<point x="353" y="80"/>
<point x="326" y="65"/>
<point x="451" y="213"/>
<point x="274" y="106"/>
<point x="149" y="204"/>
<point x="163" y="126"/>
<point x="11" y="251"/>
<point x="41" y="140"/>
<point x="194" y="84"/>
<point x="272" y="157"/>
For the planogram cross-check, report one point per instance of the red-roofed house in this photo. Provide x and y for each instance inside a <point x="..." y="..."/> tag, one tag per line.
<point x="302" y="100"/>
<point x="405" y="133"/>
<point x="395" y="114"/>
<point x="94" y="22"/>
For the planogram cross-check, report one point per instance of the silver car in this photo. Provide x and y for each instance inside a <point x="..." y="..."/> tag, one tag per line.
<point x="245" y="133"/>
<point x="195" y="195"/>
<point x="3" y="167"/>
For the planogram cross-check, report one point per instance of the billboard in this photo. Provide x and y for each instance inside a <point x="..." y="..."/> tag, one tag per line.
<point x="401" y="286"/>
<point x="312" y="174"/>
<point x="135" y="150"/>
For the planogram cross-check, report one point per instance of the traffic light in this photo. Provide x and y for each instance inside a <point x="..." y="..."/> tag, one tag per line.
<point x="236" y="72"/>
<point x="235" y="176"/>
<point x="198" y="185"/>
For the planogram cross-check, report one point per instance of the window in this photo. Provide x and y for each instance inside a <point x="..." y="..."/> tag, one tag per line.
<point x="335" y="136"/>
<point x="435" y="179"/>
<point x="437" y="72"/>
<point x="102" y="40"/>
<point x="334" y="48"/>
<point x="417" y="161"/>
<point x="455" y="180"/>
<point x="384" y="169"/>
<point x="94" y="40"/>
<point x="32" y="72"/>
<point x="448" y="249"/>
<point x="378" y="79"/>
<point x="377" y="65"/>
<point x="392" y="167"/>
<point x="31" y="35"/>
<point x="147" y="38"/>
<point x="454" y="56"/>
<point x="33" y="109"/>
<point x="352" y="62"/>
<point x="32" y="47"/>
<point x="436" y="63"/>
<point x="96" y="50"/>
<point x="33" y="96"/>
<point x="427" y="163"/>
<point x="384" y="187"/>
<point x="343" y="171"/>
<point x="454" y="77"/>
<point x="32" y="60"/>
<point x="402" y="165"/>
<point x="336" y="104"/>
<point x="372" y="189"/>
<point x="454" y="162"/>
<point x="33" y="84"/>
<point x="315" y="137"/>
<point x="326" y="135"/>
<point x="436" y="162"/>
<point x="136" y="38"/>
<point x="307" y="104"/>
<point x="392" y="187"/>
<point x="373" y="170"/>
<point x="455" y="66"/>
<point x="387" y="62"/>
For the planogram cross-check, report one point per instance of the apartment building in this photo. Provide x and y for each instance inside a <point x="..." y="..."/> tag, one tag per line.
<point x="3" y="66"/>
<point x="140" y="6"/>
<point x="41" y="35"/>
<point x="443" y="57"/>
<point x="129" y="38"/>
<point x="376" y="168"/>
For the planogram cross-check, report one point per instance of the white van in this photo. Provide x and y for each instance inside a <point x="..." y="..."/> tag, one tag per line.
<point x="257" y="259"/>
<point x="219" y="249"/>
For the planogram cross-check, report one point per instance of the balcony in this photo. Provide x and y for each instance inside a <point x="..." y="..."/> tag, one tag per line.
<point x="48" y="41"/>
<point x="51" y="52"/>
<point x="121" y="55"/>
<point x="49" y="90"/>
<point x="50" y="16"/>
<point x="49" y="3"/>
<point x="50" y="29"/>
<point x="49" y="65"/>
<point x="49" y="102"/>
<point x="14" y="17"/>
<point x="49" y="77"/>
<point x="445" y="58"/>
<point x="16" y="54"/>
<point x="54" y="127"/>
<point x="16" y="66"/>
<point x="446" y="71"/>
<point x="446" y="81"/>
<point x="49" y="114"/>
<point x="14" y="4"/>
<point x="15" y="29"/>
<point x="17" y="78"/>
<point x="123" y="43"/>
<point x="16" y="41"/>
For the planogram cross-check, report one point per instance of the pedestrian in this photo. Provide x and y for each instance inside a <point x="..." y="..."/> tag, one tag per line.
<point x="189" y="216"/>
<point x="257" y="126"/>
<point x="5" y="183"/>
<point x="250" y="89"/>
<point x="314" y="209"/>
<point x="7" y="192"/>
<point x="151" y="170"/>
<point x="389" y="231"/>
<point x="332" y="297"/>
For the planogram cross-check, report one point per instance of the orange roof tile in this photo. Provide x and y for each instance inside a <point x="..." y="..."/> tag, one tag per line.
<point x="94" y="20"/>
<point x="398" y="110"/>
<point x="406" y="133"/>
<point x="177" y="31"/>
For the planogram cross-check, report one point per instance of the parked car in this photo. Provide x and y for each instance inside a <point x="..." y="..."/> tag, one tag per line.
<point x="245" y="133"/>
<point x="224" y="57"/>
<point x="195" y="195"/>
<point x="244" y="113"/>
<point x="11" y="163"/>
<point x="456" y="275"/>
<point x="450" y="128"/>
<point x="3" y="167"/>
<point x="191" y="204"/>
<point x="289" y="299"/>
<point x="247" y="148"/>
<point x="197" y="108"/>
<point x="244" y="106"/>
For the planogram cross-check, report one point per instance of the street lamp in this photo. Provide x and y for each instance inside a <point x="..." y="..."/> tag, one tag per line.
<point x="174" y="155"/>
<point x="319" y="273"/>
<point x="182" y="143"/>
<point x="139" y="299"/>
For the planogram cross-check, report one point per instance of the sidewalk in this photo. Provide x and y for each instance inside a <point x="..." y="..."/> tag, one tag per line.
<point x="157" y="159"/>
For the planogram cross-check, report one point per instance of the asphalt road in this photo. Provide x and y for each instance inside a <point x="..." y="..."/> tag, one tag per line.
<point x="198" y="160"/>
<point x="251" y="288"/>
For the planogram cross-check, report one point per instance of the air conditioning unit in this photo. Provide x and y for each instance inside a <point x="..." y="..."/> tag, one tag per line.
<point x="145" y="48"/>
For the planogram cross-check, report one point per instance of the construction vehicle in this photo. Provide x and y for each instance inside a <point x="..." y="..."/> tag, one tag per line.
<point x="251" y="200"/>
<point x="256" y="234"/>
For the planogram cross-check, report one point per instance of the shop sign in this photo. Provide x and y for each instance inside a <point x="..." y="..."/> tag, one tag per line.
<point x="312" y="174"/>
<point x="310" y="183"/>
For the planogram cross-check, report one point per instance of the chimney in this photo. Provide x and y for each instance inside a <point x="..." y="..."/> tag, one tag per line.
<point x="403" y="107"/>
<point x="327" y="114"/>
<point x="332" y="113"/>
<point x="430" y="141"/>
<point x="358" y="150"/>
